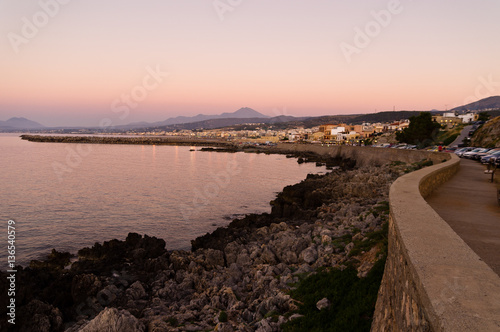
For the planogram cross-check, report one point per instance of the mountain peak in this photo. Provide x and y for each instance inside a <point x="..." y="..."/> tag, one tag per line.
<point x="20" y="123"/>
<point x="244" y="112"/>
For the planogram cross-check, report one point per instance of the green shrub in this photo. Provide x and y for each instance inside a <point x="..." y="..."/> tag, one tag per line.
<point x="373" y="239"/>
<point x="450" y="139"/>
<point x="223" y="317"/>
<point x="172" y="321"/>
<point x="352" y="300"/>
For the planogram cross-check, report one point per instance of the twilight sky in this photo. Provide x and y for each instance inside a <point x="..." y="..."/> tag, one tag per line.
<point x="78" y="62"/>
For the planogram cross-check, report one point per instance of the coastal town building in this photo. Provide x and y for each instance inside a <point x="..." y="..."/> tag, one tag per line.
<point x="448" y="120"/>
<point x="331" y="133"/>
<point x="365" y="130"/>
<point x="469" y="117"/>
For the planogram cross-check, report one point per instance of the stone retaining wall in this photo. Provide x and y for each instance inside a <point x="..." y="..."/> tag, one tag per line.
<point x="365" y="156"/>
<point x="432" y="281"/>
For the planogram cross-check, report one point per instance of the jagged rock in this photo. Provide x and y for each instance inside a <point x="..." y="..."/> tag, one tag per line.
<point x="214" y="258"/>
<point x="55" y="260"/>
<point x="158" y="325"/>
<point x="357" y="237"/>
<point x="39" y="317"/>
<point x="295" y="316"/>
<point x="108" y="294"/>
<point x="112" y="320"/>
<point x="245" y="269"/>
<point x="84" y="286"/>
<point x="267" y="256"/>
<point x="264" y="326"/>
<point x="247" y="315"/>
<point x="326" y="239"/>
<point x="349" y="247"/>
<point x="304" y="268"/>
<point x="309" y="255"/>
<point x="192" y="327"/>
<point x="136" y="291"/>
<point x="322" y="304"/>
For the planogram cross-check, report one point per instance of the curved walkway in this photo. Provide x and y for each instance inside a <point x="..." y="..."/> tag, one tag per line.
<point x="468" y="203"/>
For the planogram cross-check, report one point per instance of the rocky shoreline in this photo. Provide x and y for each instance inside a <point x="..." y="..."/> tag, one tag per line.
<point x="237" y="278"/>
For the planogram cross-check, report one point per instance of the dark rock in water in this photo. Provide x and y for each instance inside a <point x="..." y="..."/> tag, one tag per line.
<point x="295" y="202"/>
<point x="225" y="149"/>
<point x="236" y="229"/>
<point x="133" y="239"/>
<point x="56" y="260"/>
<point x="299" y="200"/>
<point x="111" y="255"/>
<point x="99" y="278"/>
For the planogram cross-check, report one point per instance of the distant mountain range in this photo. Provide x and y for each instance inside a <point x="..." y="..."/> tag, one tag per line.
<point x="226" y="122"/>
<point x="247" y="115"/>
<point x="20" y="123"/>
<point x="242" y="113"/>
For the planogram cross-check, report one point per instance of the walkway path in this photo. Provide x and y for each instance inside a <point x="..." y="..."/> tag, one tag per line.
<point x="468" y="203"/>
<point x="463" y="134"/>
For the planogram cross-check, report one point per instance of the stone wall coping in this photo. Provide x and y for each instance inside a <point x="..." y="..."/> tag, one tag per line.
<point x="458" y="290"/>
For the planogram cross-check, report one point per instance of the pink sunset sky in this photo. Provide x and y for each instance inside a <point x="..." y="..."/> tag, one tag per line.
<point x="68" y="62"/>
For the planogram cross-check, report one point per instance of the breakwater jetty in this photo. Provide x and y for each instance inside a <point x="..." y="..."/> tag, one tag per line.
<point x="140" y="140"/>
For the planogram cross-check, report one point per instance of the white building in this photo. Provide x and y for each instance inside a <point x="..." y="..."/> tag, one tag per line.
<point x="468" y="117"/>
<point x="338" y="130"/>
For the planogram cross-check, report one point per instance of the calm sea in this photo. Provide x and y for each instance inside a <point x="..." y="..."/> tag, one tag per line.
<point x="69" y="196"/>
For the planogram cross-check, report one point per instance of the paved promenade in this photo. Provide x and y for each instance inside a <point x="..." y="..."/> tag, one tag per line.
<point x="468" y="203"/>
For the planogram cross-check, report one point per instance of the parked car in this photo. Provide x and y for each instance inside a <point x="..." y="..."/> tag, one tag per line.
<point x="489" y="152"/>
<point x="486" y="159"/>
<point x="464" y="150"/>
<point x="383" y="145"/>
<point x="470" y="154"/>
<point x="495" y="160"/>
<point x="478" y="155"/>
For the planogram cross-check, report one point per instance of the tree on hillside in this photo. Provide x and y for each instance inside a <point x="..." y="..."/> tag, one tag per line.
<point x="420" y="131"/>
<point x="483" y="116"/>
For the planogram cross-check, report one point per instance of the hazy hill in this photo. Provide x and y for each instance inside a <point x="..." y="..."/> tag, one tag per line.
<point x="220" y="123"/>
<point x="486" y="103"/>
<point x="20" y="124"/>
<point x="242" y="113"/>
